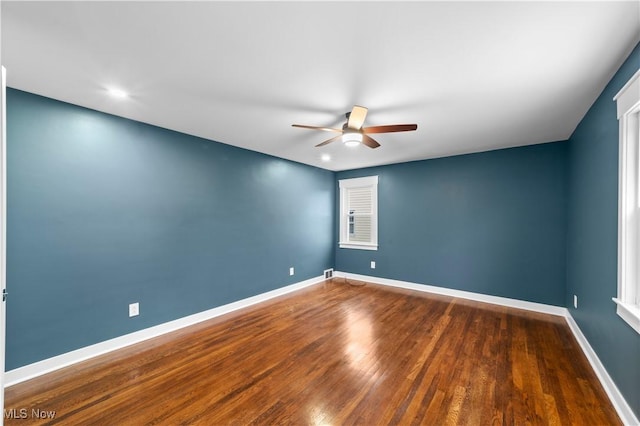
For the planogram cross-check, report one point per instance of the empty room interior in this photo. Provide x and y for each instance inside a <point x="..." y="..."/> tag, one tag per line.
<point x="320" y="213"/>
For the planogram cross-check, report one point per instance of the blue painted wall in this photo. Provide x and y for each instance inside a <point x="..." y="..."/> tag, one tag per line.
<point x="104" y="211"/>
<point x="593" y="238"/>
<point x="491" y="223"/>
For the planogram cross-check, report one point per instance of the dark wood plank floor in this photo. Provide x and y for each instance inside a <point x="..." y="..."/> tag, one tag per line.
<point x="336" y="353"/>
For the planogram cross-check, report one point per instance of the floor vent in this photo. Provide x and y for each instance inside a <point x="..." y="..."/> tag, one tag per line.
<point x="328" y="273"/>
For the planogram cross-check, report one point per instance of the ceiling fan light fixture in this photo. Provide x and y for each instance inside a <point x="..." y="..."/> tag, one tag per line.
<point x="352" y="139"/>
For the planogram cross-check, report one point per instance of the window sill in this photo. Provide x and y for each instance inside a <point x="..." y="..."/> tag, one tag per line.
<point x="359" y="246"/>
<point x="629" y="313"/>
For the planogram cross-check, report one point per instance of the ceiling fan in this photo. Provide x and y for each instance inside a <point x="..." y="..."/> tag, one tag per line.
<point x="352" y="132"/>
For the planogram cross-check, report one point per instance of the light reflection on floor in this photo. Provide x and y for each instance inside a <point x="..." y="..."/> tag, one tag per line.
<point x="318" y="416"/>
<point x="360" y="347"/>
<point x="360" y="350"/>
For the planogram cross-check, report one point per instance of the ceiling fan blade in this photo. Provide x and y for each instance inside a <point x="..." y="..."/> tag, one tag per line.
<point x="390" y="128"/>
<point x="326" y="129"/>
<point x="357" y="116"/>
<point x="328" y="141"/>
<point x="370" y="142"/>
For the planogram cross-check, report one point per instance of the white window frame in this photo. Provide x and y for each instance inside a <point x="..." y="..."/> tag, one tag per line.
<point x="362" y="182"/>
<point x="628" y="300"/>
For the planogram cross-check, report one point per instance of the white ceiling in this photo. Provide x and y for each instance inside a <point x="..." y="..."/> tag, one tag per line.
<point x="474" y="76"/>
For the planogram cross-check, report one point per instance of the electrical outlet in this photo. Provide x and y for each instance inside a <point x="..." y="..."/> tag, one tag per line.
<point x="134" y="309"/>
<point x="575" y="301"/>
<point x="373" y="264"/>
<point x="292" y="271"/>
<point x="328" y="273"/>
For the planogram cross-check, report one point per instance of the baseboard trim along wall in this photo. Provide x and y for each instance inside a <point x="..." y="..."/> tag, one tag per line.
<point x="627" y="415"/>
<point x="619" y="403"/>
<point x="39" y="368"/>
<point x="496" y="300"/>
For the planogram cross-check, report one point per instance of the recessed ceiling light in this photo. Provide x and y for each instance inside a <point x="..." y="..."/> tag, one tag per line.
<point x="326" y="157"/>
<point x="118" y="93"/>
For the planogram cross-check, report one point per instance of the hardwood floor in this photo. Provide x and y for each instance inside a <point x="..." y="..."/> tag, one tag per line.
<point x="335" y="353"/>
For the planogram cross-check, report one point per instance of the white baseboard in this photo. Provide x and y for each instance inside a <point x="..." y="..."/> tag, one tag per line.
<point x="617" y="400"/>
<point x="620" y="404"/>
<point x="39" y="368"/>
<point x="496" y="300"/>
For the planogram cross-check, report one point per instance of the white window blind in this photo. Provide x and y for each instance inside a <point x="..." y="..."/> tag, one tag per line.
<point x="359" y="211"/>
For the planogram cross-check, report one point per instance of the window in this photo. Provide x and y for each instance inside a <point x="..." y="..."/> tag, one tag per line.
<point x="359" y="213"/>
<point x="628" y="300"/>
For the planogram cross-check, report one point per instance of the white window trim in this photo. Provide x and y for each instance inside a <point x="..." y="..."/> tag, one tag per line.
<point x="628" y="111"/>
<point x="344" y="225"/>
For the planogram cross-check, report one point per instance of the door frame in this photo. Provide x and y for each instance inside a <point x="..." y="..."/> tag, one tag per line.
<point x="3" y="233"/>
